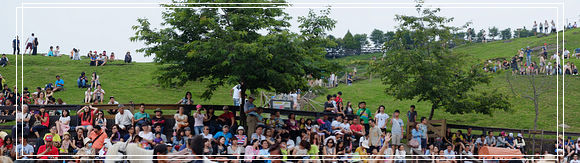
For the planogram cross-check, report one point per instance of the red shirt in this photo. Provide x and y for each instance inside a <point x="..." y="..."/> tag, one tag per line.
<point x="86" y="122"/>
<point x="356" y="128"/>
<point x="53" y="151"/>
<point x="47" y="119"/>
<point x="227" y="116"/>
<point x="338" y="99"/>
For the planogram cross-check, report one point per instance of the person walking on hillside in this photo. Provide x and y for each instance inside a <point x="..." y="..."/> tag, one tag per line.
<point x="16" y="46"/>
<point x="29" y="44"/>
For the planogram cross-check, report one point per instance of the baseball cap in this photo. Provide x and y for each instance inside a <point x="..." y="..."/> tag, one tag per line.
<point x="320" y="121"/>
<point x="240" y="128"/>
<point x="187" y="129"/>
<point x="48" y="138"/>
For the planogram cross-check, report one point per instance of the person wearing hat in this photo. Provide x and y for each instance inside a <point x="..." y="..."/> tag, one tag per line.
<point x="520" y="143"/>
<point x="48" y="150"/>
<point x="240" y="137"/>
<point x="65" y="143"/>
<point x="252" y="111"/>
<point x="86" y="150"/>
<point x="158" y="118"/>
<point x="501" y="140"/>
<point x="123" y="118"/>
<point x="510" y="141"/>
<point x="227" y="118"/>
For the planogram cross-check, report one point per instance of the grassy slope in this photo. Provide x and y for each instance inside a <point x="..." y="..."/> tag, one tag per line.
<point x="522" y="114"/>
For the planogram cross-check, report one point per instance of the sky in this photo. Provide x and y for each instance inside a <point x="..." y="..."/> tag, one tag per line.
<point x="89" y="26"/>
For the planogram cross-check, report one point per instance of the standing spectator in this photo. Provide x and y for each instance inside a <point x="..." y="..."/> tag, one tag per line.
<point x="141" y="117"/>
<point x="23" y="149"/>
<point x="417" y="135"/>
<point x="4" y="60"/>
<point x="48" y="150"/>
<point x="412" y="115"/>
<point x="374" y="135"/>
<point x="364" y="114"/>
<point x="29" y="44"/>
<point x="235" y="92"/>
<point x="16" y="46"/>
<point x="381" y="118"/>
<point x="128" y="58"/>
<point x="553" y="27"/>
<point x="98" y="94"/>
<point x="425" y="136"/>
<point x="349" y="79"/>
<point x="41" y="122"/>
<point x="198" y="120"/>
<point x="252" y="118"/>
<point x="331" y="80"/>
<point x="58" y="84"/>
<point x="528" y="56"/>
<point x="397" y="128"/>
<point x="180" y="119"/>
<point x="546" y="26"/>
<point x="541" y="27"/>
<point x="35" y="46"/>
<point x="62" y="125"/>
<point x="535" y="27"/>
<point x="123" y="118"/>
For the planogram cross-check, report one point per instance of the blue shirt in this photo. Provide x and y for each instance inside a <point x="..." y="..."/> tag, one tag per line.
<point x="326" y="126"/>
<point x="248" y="106"/>
<point x="528" y="51"/>
<point x="221" y="133"/>
<point x="24" y="150"/>
<point x="59" y="83"/>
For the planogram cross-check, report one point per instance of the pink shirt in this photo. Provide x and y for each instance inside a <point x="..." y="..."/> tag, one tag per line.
<point x="250" y="150"/>
<point x="198" y="119"/>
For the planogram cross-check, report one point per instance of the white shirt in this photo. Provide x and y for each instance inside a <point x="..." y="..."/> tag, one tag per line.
<point x="574" y="161"/>
<point x="149" y="136"/>
<point x="124" y="119"/>
<point x="345" y="126"/>
<point x="382" y="119"/>
<point x="237" y="91"/>
<point x="64" y="119"/>
<point x="99" y="92"/>
<point x="113" y="102"/>
<point x="336" y="124"/>
<point x="208" y="136"/>
<point x="332" y="76"/>
<point x="31" y="39"/>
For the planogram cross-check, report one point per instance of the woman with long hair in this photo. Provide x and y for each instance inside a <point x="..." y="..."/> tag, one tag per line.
<point x="41" y="123"/>
<point x="329" y="149"/>
<point x="178" y="141"/>
<point x="62" y="125"/>
<point x="187" y="100"/>
<point x="115" y="134"/>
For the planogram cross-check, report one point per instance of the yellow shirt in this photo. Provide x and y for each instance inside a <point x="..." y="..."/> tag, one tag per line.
<point x="361" y="151"/>
<point x="55" y="137"/>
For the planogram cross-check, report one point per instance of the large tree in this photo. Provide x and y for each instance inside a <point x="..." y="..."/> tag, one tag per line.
<point x="506" y="34"/>
<point x="251" y="46"/>
<point x="426" y="69"/>
<point x="378" y="38"/>
<point x="493" y="32"/>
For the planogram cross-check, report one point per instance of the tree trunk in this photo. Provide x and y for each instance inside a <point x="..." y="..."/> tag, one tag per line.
<point x="242" y="113"/>
<point x="433" y="107"/>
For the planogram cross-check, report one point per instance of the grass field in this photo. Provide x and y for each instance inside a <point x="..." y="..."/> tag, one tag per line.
<point x="135" y="82"/>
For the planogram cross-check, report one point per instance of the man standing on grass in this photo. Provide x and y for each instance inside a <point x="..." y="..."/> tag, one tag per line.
<point x="16" y="46"/>
<point x="29" y="44"/>
<point x="364" y="114"/>
<point x="397" y="128"/>
<point x="236" y="94"/>
<point x="528" y="56"/>
<point x="374" y="136"/>
<point x="252" y="118"/>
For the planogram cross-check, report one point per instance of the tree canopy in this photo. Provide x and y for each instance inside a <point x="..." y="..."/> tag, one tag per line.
<point x="251" y="46"/>
<point x="424" y="68"/>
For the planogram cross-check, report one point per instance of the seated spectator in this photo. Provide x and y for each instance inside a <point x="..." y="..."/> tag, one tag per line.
<point x="82" y="81"/>
<point x="140" y="117"/>
<point x="180" y="119"/>
<point x="128" y="58"/>
<point x="112" y="101"/>
<point x="22" y="121"/>
<point x="88" y="96"/>
<point x="24" y="149"/>
<point x="41" y="122"/>
<point x="159" y="129"/>
<point x="224" y="133"/>
<point x="101" y="59"/>
<point x="115" y="134"/>
<point x="147" y="136"/>
<point x="62" y="125"/>
<point x="4" y="61"/>
<point x="158" y="118"/>
<point x="86" y="150"/>
<point x="131" y="133"/>
<point x="98" y="136"/>
<point x="178" y="140"/>
<point x="50" y="52"/>
<point x="48" y="150"/>
<point x="8" y="148"/>
<point x="98" y="94"/>
<point x="206" y="134"/>
<point x="101" y="120"/>
<point x="87" y="116"/>
<point x="65" y="144"/>
<point x="78" y="140"/>
<point x="58" y="84"/>
<point x="227" y="118"/>
<point x="93" y="58"/>
<point x="95" y="80"/>
<point x="187" y="100"/>
<point x="54" y="134"/>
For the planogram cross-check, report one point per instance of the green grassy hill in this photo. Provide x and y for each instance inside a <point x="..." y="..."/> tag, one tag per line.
<point x="522" y="114"/>
<point x="135" y="82"/>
